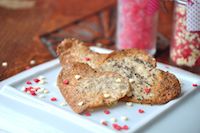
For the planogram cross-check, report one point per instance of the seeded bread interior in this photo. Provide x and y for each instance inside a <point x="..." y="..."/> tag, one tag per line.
<point x="86" y="88"/>
<point x="149" y="85"/>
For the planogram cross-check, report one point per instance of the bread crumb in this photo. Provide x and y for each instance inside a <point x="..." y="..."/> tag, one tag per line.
<point x="129" y="94"/>
<point x="130" y="104"/>
<point x="45" y="91"/>
<point x="106" y="95"/>
<point x="118" y="80"/>
<point x="80" y="103"/>
<point x="63" y="104"/>
<point x="91" y="110"/>
<point x="41" y="82"/>
<point x="41" y="77"/>
<point x="131" y="80"/>
<point x="113" y="119"/>
<point x="124" y="118"/>
<point x="40" y="90"/>
<point x="77" y="77"/>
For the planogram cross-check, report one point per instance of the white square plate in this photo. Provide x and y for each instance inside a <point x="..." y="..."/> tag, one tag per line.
<point x="21" y="112"/>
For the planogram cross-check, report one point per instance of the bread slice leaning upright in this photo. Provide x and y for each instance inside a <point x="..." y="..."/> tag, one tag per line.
<point x="84" y="88"/>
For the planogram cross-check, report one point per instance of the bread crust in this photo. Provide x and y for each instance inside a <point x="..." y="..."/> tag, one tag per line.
<point x="165" y="87"/>
<point x="74" y="50"/>
<point x="85" y="90"/>
<point x="136" y="53"/>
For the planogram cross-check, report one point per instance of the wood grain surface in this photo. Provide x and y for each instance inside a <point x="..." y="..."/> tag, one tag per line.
<point x="21" y="28"/>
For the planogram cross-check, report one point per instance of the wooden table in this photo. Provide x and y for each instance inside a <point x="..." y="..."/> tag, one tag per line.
<point x="21" y="28"/>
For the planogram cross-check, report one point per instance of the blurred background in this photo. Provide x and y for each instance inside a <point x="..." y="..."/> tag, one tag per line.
<point x="31" y="29"/>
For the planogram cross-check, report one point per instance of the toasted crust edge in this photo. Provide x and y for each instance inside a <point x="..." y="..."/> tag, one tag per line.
<point x="168" y="89"/>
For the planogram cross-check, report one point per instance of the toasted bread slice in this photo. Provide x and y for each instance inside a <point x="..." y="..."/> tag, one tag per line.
<point x="149" y="85"/>
<point x="86" y="88"/>
<point x="74" y="50"/>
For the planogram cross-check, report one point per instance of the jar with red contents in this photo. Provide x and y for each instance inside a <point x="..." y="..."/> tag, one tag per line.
<point x="185" y="45"/>
<point x="137" y="24"/>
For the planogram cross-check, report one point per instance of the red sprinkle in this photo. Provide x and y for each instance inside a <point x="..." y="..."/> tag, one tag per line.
<point x="147" y="90"/>
<point x="194" y="85"/>
<point x="117" y="127"/>
<point x="125" y="127"/>
<point x="36" y="80"/>
<point x="28" y="88"/>
<point x="65" y="81"/>
<point x="87" y="59"/>
<point x="87" y="114"/>
<point x="105" y="123"/>
<point x="141" y="111"/>
<point x="33" y="93"/>
<point x="106" y="111"/>
<point x="28" y="82"/>
<point x="53" y="99"/>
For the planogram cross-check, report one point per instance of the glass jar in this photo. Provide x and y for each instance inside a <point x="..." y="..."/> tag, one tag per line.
<point x="137" y="24"/>
<point x="185" y="45"/>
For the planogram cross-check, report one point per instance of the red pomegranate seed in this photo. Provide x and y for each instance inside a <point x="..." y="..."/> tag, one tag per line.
<point x="87" y="59"/>
<point x="147" y="90"/>
<point x="141" y="111"/>
<point x="28" y="82"/>
<point x="194" y="85"/>
<point x="53" y="99"/>
<point x="87" y="114"/>
<point x="106" y="111"/>
<point x="36" y="80"/>
<point x="66" y="81"/>
<point x="125" y="127"/>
